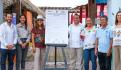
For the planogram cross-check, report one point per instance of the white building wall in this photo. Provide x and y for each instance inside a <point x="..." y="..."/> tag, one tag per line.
<point x="113" y="8"/>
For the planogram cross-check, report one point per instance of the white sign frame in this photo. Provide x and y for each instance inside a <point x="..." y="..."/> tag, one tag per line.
<point x="56" y="27"/>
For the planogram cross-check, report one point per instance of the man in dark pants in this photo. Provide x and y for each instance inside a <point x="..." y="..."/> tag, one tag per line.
<point x="103" y="47"/>
<point x="8" y="39"/>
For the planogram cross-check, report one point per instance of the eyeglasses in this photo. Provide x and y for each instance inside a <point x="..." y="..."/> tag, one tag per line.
<point x="102" y="19"/>
<point x="39" y="19"/>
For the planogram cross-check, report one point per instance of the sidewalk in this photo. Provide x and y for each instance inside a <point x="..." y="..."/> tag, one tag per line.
<point x="29" y="65"/>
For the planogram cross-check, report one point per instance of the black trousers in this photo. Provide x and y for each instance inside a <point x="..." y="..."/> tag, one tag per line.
<point x="104" y="61"/>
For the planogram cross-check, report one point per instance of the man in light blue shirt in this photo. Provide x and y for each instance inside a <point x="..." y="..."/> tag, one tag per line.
<point x="104" y="44"/>
<point x="8" y="39"/>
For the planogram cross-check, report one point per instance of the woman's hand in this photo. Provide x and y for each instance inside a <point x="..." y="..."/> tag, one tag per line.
<point x="23" y="45"/>
<point x="42" y="40"/>
<point x="96" y="51"/>
<point x="82" y="37"/>
<point x="34" y="50"/>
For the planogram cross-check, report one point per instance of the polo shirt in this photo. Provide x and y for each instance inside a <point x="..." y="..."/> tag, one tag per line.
<point x="104" y="35"/>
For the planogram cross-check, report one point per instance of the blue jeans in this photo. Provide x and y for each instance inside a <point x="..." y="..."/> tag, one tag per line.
<point x="7" y="54"/>
<point x="89" y="55"/>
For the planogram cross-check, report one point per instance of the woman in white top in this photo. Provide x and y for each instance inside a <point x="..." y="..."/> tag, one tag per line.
<point x="117" y="41"/>
<point x="89" y="36"/>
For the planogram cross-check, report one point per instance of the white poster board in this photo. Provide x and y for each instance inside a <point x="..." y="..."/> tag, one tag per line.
<point x="56" y="27"/>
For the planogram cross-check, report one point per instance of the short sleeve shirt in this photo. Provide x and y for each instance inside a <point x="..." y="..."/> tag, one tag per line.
<point x="104" y="35"/>
<point x="89" y="37"/>
<point x="74" y="36"/>
<point x="39" y="37"/>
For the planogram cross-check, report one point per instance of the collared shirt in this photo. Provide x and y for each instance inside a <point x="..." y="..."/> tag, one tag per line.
<point x="23" y="32"/>
<point x="74" y="35"/>
<point x="104" y="35"/>
<point x="89" y="37"/>
<point x="8" y="35"/>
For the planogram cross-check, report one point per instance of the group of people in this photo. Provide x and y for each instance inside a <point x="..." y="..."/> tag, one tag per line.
<point x="15" y="41"/>
<point x="96" y="44"/>
<point x="86" y="43"/>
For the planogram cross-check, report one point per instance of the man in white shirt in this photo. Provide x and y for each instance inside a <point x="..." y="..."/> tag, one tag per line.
<point x="75" y="44"/>
<point x="8" y="38"/>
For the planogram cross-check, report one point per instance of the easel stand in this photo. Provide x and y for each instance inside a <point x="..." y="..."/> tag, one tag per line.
<point x="55" y="68"/>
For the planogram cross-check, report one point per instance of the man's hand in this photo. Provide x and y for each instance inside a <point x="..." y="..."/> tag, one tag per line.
<point x="110" y="48"/>
<point x="10" y="47"/>
<point x="109" y="52"/>
<point x="96" y="51"/>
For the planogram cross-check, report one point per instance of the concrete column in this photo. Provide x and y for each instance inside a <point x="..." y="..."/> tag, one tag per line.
<point x="92" y="9"/>
<point x="1" y="11"/>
